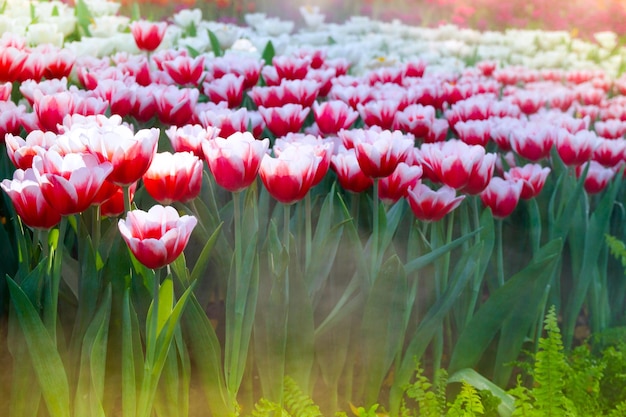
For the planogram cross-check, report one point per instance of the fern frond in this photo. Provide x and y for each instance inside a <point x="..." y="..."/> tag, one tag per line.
<point x="421" y="391"/>
<point x="582" y="386"/>
<point x="550" y="370"/>
<point x="617" y="249"/>
<point x="467" y="403"/>
<point x="524" y="404"/>
<point x="619" y="411"/>
<point x="297" y="403"/>
<point x="267" y="408"/>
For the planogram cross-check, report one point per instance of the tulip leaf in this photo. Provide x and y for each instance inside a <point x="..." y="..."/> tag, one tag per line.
<point x="43" y="354"/>
<point x="206" y="350"/>
<point x="383" y="325"/>
<point x="90" y="388"/>
<point x="430" y="257"/>
<point x="594" y="242"/>
<point x="203" y="260"/>
<point x="463" y="270"/>
<point x="470" y="376"/>
<point x="132" y="356"/>
<point x="215" y="43"/>
<point x="83" y="17"/>
<point x="268" y="53"/>
<point x="513" y="307"/>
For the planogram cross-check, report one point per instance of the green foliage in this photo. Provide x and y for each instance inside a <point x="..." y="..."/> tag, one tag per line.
<point x="617" y="248"/>
<point x="297" y="402"/>
<point x="467" y="404"/>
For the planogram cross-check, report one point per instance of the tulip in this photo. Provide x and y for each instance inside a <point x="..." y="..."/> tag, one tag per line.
<point x="415" y="119"/>
<point x="130" y="154"/>
<point x="291" y="68"/>
<point x="148" y="35"/>
<point x="349" y="174"/>
<point x="28" y="200"/>
<point x="226" y="120"/>
<point x="189" y="138"/>
<point x="176" y="106"/>
<point x="156" y="237"/>
<point x="378" y="113"/>
<point x="533" y="177"/>
<point x="379" y="153"/>
<point x="70" y="182"/>
<point x="185" y="70"/>
<point x="533" y="141"/>
<point x="576" y="149"/>
<point x="597" y="178"/>
<point x="286" y="119"/>
<point x="235" y="161"/>
<point x="50" y="109"/>
<point x="474" y="132"/>
<point x="332" y="116"/>
<point x="228" y="88"/>
<point x="502" y="196"/>
<point x="395" y="186"/>
<point x="174" y="177"/>
<point x="609" y="152"/>
<point x="22" y="151"/>
<point x="289" y="177"/>
<point x="431" y="206"/>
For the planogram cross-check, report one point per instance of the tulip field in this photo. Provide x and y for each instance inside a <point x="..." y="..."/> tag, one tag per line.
<point x="201" y="218"/>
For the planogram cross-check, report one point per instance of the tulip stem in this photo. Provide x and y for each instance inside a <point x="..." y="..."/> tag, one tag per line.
<point x="126" y="193"/>
<point x="237" y="222"/>
<point x="307" y="231"/>
<point x="96" y="228"/>
<point x="500" y="254"/>
<point x="376" y="226"/>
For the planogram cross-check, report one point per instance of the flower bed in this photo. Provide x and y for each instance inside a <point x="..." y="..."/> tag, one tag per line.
<point x="197" y="212"/>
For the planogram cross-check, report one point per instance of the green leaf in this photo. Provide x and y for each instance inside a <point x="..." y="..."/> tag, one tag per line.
<point x="268" y="53"/>
<point x="470" y="376"/>
<point x="135" y="13"/>
<point x="91" y="379"/>
<point x="43" y="353"/>
<point x="597" y="227"/>
<point x="132" y="357"/>
<point x="514" y="308"/>
<point x="432" y="256"/>
<point x="464" y="269"/>
<point x="203" y="260"/>
<point x="83" y="17"/>
<point x="383" y="326"/>
<point x="215" y="43"/>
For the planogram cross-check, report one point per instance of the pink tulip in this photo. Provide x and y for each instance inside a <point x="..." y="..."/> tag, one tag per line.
<point x="226" y="120"/>
<point x="575" y="149"/>
<point x="156" y="237"/>
<point x="129" y="153"/>
<point x="5" y="91"/>
<point x="533" y="177"/>
<point x="291" y="68"/>
<point x="185" y="70"/>
<point x="502" y="196"/>
<point x="609" y="152"/>
<point x="533" y="141"/>
<point x="395" y="186"/>
<point x="70" y="182"/>
<point x="189" y="138"/>
<point x="148" y="35"/>
<point x="431" y="206"/>
<point x="22" y="151"/>
<point x="28" y="200"/>
<point x="597" y="178"/>
<point x="332" y="116"/>
<point x="610" y="129"/>
<point x="12" y="118"/>
<point x="474" y="132"/>
<point x="379" y="153"/>
<point x="378" y="113"/>
<point x="303" y="92"/>
<point x="174" y="177"/>
<point x="50" y="109"/>
<point x="228" y="88"/>
<point x="349" y="174"/>
<point x="268" y="96"/>
<point x="235" y="161"/>
<point x="286" y="119"/>
<point x="415" y="119"/>
<point x="176" y="106"/>
<point x="289" y="177"/>
<point x="322" y="148"/>
<point x="12" y="61"/>
<point x="352" y="95"/>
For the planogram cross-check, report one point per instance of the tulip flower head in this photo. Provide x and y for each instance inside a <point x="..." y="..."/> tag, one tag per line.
<point x="502" y="196"/>
<point x="174" y="177"/>
<point x="289" y="177"/>
<point x="156" y="237"/>
<point x="533" y="178"/>
<point x="379" y="153"/>
<point x="429" y="205"/>
<point x="28" y="200"/>
<point x="148" y="35"/>
<point x="235" y="161"/>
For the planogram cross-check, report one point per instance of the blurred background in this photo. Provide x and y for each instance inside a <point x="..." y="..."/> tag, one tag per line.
<point x="581" y="18"/>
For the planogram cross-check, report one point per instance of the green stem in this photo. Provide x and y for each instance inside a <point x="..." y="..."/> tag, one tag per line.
<point x="376" y="226"/>
<point x="126" y="193"/>
<point x="307" y="231"/>
<point x="500" y="254"/>
<point x="238" y="242"/>
<point x="51" y="302"/>
<point x="96" y="228"/>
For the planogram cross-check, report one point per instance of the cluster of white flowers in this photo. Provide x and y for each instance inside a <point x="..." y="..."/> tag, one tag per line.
<point x="365" y="42"/>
